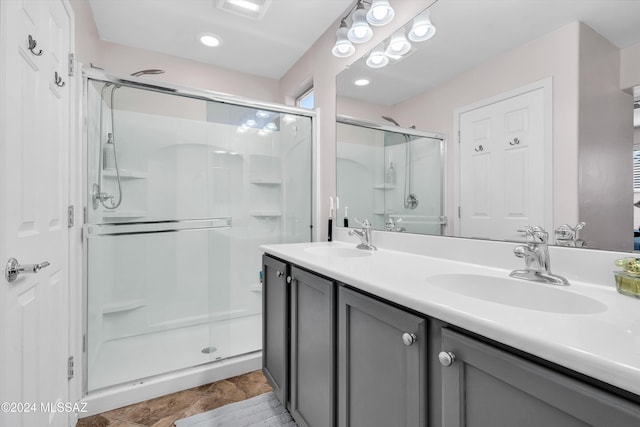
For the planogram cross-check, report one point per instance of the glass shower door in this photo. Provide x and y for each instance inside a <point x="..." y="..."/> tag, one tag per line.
<point x="180" y="194"/>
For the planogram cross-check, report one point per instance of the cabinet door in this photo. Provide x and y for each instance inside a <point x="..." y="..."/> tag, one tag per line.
<point x="275" y="326"/>
<point x="382" y="379"/>
<point x="312" y="397"/>
<point x="488" y="387"/>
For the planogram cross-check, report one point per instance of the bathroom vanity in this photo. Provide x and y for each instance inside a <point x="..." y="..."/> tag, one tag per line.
<point x="385" y="338"/>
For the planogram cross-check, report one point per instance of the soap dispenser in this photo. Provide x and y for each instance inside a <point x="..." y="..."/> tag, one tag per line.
<point x="109" y="154"/>
<point x="390" y="176"/>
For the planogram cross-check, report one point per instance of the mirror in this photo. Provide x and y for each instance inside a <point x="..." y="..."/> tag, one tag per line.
<point x="535" y="101"/>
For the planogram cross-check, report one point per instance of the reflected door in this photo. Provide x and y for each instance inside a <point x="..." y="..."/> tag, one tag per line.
<point x="502" y="168"/>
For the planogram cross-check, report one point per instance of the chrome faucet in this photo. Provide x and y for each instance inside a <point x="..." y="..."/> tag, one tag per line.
<point x="568" y="236"/>
<point x="364" y="234"/>
<point x="536" y="258"/>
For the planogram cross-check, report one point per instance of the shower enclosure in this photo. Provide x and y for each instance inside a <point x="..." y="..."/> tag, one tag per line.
<point x="390" y="175"/>
<point x="182" y="187"/>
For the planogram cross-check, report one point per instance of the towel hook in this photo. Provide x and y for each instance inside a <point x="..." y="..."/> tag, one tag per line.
<point x="58" y="80"/>
<point x="515" y="141"/>
<point x="32" y="45"/>
<point x="479" y="148"/>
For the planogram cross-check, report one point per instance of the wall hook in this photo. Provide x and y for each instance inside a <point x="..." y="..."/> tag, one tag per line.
<point x="32" y="45"/>
<point x="479" y="149"/>
<point x="515" y="141"/>
<point x="58" y="80"/>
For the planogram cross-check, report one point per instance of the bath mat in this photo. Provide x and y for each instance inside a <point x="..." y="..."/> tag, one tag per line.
<point x="264" y="411"/>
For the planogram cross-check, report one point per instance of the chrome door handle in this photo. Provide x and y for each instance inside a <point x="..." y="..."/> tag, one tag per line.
<point x="13" y="269"/>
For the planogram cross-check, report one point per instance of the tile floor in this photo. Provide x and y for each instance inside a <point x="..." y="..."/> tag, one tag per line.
<point x="164" y="411"/>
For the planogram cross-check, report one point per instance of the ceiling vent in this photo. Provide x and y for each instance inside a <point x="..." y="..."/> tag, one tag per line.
<point x="254" y="9"/>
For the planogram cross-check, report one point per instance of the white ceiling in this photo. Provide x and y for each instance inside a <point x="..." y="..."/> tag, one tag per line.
<point x="266" y="47"/>
<point x="471" y="31"/>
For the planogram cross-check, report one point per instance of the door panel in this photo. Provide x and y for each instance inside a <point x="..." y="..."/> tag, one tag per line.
<point x="34" y="316"/>
<point x="382" y="381"/>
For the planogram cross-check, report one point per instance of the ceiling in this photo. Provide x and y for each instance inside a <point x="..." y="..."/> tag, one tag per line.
<point x="471" y="31"/>
<point x="267" y="47"/>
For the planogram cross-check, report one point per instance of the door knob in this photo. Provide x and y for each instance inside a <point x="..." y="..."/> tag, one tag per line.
<point x="13" y="269"/>
<point x="409" y="339"/>
<point x="446" y="358"/>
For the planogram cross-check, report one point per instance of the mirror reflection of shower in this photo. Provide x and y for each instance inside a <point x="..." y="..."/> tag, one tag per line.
<point x="410" y="199"/>
<point x="108" y="158"/>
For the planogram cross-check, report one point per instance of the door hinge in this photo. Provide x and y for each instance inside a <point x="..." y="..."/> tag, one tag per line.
<point x="71" y="220"/>
<point x="459" y="138"/>
<point x="459" y="214"/>
<point x="84" y="343"/>
<point x="70" y="368"/>
<point x="72" y="63"/>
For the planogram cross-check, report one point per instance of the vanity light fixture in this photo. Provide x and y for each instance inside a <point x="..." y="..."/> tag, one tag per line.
<point x="377" y="58"/>
<point x="422" y="28"/>
<point x="210" y="40"/>
<point x="398" y="45"/>
<point x="360" y="31"/>
<point x="251" y="123"/>
<point x="343" y="47"/>
<point x="361" y="82"/>
<point x="380" y="13"/>
<point x="271" y="126"/>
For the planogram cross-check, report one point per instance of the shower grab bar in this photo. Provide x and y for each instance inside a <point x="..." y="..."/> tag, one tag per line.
<point x="155" y="227"/>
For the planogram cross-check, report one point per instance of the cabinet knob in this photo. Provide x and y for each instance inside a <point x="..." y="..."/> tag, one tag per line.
<point x="409" y="339"/>
<point x="446" y="358"/>
<point x="279" y="273"/>
<point x="289" y="279"/>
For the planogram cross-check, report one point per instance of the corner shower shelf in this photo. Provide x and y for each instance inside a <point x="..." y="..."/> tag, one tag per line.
<point x="266" y="214"/>
<point x="384" y="187"/>
<point x="125" y="174"/>
<point x="266" y="181"/>
<point x="123" y="214"/>
<point x="119" y="307"/>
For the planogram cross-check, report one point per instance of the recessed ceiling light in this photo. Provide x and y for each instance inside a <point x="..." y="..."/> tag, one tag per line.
<point x="254" y="9"/>
<point x="210" y="40"/>
<point x="361" y="82"/>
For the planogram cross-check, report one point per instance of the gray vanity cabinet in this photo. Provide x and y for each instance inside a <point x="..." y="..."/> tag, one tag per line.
<point x="275" y="325"/>
<point x="312" y="380"/>
<point x="484" y="386"/>
<point x="381" y="364"/>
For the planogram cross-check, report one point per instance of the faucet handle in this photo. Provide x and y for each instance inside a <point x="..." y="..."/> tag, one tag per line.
<point x="535" y="234"/>
<point x="364" y="223"/>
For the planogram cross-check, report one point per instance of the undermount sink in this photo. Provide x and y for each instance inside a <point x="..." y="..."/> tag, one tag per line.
<point x="518" y="293"/>
<point x="338" y="252"/>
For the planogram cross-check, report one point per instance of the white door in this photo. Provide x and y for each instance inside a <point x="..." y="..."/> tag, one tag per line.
<point x="503" y="175"/>
<point x="34" y="194"/>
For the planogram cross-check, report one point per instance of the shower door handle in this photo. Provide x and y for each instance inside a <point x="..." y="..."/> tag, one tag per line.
<point x="13" y="269"/>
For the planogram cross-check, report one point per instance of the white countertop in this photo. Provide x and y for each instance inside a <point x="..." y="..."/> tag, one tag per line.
<point x="604" y="345"/>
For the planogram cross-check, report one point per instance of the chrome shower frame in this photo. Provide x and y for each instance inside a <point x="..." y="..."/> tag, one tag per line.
<point x="408" y="133"/>
<point x="99" y="75"/>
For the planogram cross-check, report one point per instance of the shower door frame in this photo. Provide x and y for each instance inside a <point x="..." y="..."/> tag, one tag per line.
<point x="94" y="74"/>
<point x="348" y="120"/>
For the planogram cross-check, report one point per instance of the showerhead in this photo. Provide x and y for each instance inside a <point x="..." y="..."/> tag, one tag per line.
<point x="390" y="119"/>
<point x="150" y="71"/>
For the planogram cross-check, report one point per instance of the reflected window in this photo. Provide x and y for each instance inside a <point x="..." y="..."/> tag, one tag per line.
<point x="636" y="170"/>
<point x="306" y="100"/>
